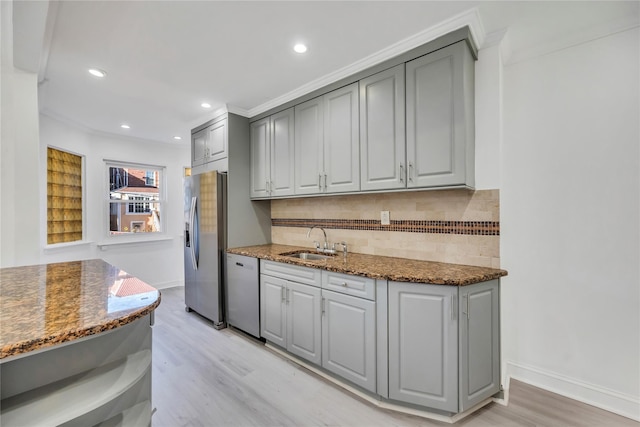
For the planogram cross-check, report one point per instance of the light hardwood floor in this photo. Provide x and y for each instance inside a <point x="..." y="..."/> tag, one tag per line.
<point x="204" y="377"/>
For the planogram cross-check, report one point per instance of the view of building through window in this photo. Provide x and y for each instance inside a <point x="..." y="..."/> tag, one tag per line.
<point x="135" y="199"/>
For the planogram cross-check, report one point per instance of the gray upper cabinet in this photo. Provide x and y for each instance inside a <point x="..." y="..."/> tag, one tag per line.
<point x="309" y="133"/>
<point x="327" y="148"/>
<point x="341" y="140"/>
<point x="440" y="120"/>
<point x="272" y="161"/>
<point x="210" y="144"/>
<point x="407" y="123"/>
<point x="198" y="143"/>
<point x="260" y="158"/>
<point x="382" y="131"/>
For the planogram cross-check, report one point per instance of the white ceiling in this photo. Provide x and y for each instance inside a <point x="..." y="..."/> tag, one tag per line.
<point x="164" y="58"/>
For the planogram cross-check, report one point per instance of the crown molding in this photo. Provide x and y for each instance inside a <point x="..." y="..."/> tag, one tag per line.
<point x="499" y="38"/>
<point x="470" y="18"/>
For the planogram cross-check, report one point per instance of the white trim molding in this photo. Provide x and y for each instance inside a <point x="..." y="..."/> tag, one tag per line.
<point x="591" y="394"/>
<point x="470" y="18"/>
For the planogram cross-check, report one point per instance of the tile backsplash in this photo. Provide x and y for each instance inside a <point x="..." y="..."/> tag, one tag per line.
<point x="456" y="226"/>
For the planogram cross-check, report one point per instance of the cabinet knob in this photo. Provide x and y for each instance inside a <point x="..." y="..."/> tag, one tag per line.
<point x="344" y="284"/>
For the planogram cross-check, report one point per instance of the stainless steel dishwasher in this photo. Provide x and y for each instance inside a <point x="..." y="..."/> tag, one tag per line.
<point x="243" y="294"/>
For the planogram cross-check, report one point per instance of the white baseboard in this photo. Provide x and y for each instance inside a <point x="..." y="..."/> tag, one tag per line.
<point x="165" y="285"/>
<point x="591" y="394"/>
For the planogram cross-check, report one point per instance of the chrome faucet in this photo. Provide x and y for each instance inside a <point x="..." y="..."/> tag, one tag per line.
<point x="344" y="248"/>
<point x="325" y="249"/>
<point x="326" y="244"/>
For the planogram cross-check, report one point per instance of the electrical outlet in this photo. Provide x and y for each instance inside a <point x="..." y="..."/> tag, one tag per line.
<point x="384" y="218"/>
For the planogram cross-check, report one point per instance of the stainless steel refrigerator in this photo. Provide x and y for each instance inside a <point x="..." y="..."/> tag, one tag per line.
<point x="205" y="243"/>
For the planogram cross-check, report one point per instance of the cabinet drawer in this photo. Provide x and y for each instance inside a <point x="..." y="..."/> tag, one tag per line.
<point x="357" y="286"/>
<point x="295" y="273"/>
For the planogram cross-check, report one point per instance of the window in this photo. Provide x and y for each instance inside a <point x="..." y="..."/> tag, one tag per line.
<point x="150" y="178"/>
<point x="64" y="197"/>
<point x="135" y="198"/>
<point x="138" y="207"/>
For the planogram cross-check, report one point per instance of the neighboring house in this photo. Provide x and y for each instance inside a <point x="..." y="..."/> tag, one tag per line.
<point x="140" y="188"/>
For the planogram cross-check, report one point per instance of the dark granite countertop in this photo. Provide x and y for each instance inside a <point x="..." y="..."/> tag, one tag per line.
<point x="379" y="267"/>
<point x="45" y="305"/>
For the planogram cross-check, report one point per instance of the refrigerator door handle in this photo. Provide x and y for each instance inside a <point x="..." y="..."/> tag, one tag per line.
<point x="194" y="232"/>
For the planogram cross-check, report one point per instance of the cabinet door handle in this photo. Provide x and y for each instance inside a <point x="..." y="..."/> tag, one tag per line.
<point x="270" y="187"/>
<point x="287" y="295"/>
<point x="325" y="182"/>
<point x="324" y="302"/>
<point x="466" y="306"/>
<point x="453" y="307"/>
<point x="319" y="182"/>
<point x="266" y="186"/>
<point x="401" y="172"/>
<point x="410" y="173"/>
<point x="282" y="294"/>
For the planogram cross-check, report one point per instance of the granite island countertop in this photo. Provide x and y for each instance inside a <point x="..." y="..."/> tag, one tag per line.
<point x="378" y="267"/>
<point x="45" y="305"/>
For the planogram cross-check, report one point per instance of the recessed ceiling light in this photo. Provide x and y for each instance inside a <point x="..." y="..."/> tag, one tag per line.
<point x="125" y="126"/>
<point x="205" y="105"/>
<point x="177" y="138"/>
<point x="96" y="72"/>
<point x="300" y="48"/>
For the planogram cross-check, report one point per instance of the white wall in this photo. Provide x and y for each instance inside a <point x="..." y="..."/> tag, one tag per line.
<point x="488" y="117"/>
<point x="18" y="153"/>
<point x="570" y="214"/>
<point x="158" y="263"/>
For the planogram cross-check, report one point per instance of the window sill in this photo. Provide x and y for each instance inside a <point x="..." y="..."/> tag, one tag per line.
<point x="106" y="245"/>
<point x="58" y="246"/>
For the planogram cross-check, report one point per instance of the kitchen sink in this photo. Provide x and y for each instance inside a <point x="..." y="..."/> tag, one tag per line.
<point x="309" y="256"/>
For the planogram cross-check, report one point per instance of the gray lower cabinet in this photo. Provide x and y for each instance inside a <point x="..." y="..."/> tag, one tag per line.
<point x="290" y="312"/>
<point x="423" y="342"/>
<point x="303" y="321"/>
<point x="439" y="345"/>
<point x="444" y="344"/>
<point x="273" y="310"/>
<point x="349" y="338"/>
<point x="479" y="342"/>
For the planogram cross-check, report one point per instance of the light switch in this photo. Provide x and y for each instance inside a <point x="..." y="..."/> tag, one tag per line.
<point x="384" y="218"/>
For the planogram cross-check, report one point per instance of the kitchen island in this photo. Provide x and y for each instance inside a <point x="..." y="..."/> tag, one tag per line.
<point x="75" y="345"/>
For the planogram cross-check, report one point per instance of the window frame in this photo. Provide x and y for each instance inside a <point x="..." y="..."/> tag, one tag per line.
<point x="161" y="201"/>
<point x="83" y="182"/>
